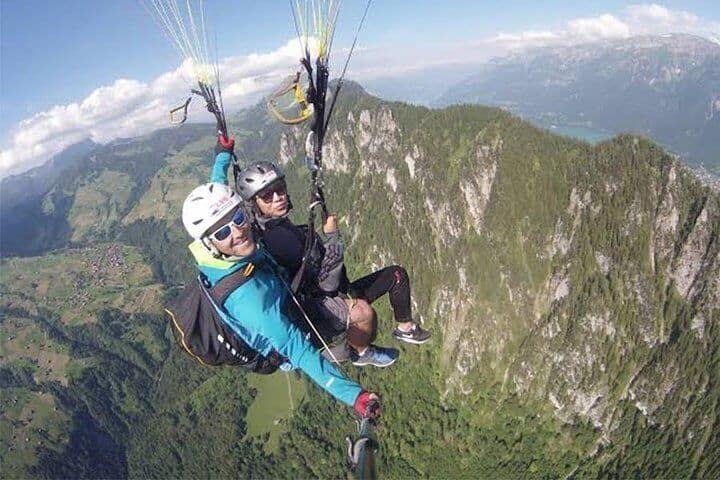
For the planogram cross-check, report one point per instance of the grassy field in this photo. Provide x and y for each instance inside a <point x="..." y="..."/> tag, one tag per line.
<point x="74" y="288"/>
<point x="278" y="396"/>
<point x="77" y="284"/>
<point x="31" y="422"/>
<point x="173" y="182"/>
<point x="22" y="340"/>
<point x="98" y="204"/>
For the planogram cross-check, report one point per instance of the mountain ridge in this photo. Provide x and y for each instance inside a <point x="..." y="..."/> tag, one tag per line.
<point x="665" y="87"/>
<point x="524" y="248"/>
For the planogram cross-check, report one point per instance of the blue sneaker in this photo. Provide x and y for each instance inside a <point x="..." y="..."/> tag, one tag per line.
<point x="287" y="367"/>
<point x="376" y="356"/>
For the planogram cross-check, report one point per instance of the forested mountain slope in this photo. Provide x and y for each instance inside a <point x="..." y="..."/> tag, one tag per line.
<point x="574" y="293"/>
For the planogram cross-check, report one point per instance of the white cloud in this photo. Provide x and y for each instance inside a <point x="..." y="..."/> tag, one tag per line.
<point x="656" y="18"/>
<point x="523" y="38"/>
<point x="578" y="30"/>
<point x="129" y="108"/>
<point x="598" y="28"/>
<point x="634" y="20"/>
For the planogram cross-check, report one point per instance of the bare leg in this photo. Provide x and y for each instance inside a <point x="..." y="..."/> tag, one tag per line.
<point x="362" y="325"/>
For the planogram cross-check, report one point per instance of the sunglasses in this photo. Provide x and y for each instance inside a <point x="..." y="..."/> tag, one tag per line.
<point x="269" y="192"/>
<point x="224" y="232"/>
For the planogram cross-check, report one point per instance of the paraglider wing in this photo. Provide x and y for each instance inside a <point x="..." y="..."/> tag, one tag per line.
<point x="183" y="23"/>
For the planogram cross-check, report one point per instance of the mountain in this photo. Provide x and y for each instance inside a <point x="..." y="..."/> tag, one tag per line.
<point x="665" y="87"/>
<point x="20" y="194"/>
<point x="47" y="194"/>
<point x="422" y="86"/>
<point x="573" y="291"/>
<point x="15" y="189"/>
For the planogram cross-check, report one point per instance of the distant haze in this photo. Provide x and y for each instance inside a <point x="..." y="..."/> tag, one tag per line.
<point x="666" y="87"/>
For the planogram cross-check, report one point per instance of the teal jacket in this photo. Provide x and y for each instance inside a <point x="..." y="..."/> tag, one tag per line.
<point x="255" y="311"/>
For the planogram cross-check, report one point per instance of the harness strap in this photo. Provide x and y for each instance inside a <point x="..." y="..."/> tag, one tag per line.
<point x="228" y="284"/>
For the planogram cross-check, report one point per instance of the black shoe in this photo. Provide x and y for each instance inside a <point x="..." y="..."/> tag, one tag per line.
<point x="416" y="335"/>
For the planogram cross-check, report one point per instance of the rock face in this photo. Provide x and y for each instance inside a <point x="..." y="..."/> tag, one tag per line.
<point x="571" y="360"/>
<point x="579" y="286"/>
<point x="478" y="187"/>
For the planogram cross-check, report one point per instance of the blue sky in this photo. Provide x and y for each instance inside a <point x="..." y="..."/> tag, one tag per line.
<point x="56" y="53"/>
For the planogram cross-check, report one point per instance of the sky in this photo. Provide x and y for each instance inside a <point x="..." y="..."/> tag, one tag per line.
<point x="77" y="69"/>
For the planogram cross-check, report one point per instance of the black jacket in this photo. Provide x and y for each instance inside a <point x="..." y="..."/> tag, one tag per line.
<point x="286" y="243"/>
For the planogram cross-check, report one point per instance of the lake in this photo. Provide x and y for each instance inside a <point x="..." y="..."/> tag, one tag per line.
<point x="583" y="133"/>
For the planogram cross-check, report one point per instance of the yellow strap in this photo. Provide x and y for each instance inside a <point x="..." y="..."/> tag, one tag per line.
<point x="304" y="114"/>
<point x="300" y="96"/>
<point x="182" y="337"/>
<point x="353" y="303"/>
<point x="299" y="99"/>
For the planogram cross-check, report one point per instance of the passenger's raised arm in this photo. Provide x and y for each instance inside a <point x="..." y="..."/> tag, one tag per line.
<point x="223" y="157"/>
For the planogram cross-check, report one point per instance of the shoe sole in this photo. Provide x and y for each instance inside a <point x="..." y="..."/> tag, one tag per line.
<point x="361" y="364"/>
<point x="413" y="341"/>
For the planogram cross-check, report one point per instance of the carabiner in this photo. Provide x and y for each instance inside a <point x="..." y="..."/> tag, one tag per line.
<point x="184" y="108"/>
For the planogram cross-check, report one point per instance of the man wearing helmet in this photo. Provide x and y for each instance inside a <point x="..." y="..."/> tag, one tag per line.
<point x="223" y="244"/>
<point x="262" y="186"/>
<point x="333" y="314"/>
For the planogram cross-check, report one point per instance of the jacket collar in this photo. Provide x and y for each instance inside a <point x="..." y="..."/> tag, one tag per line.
<point x="266" y="223"/>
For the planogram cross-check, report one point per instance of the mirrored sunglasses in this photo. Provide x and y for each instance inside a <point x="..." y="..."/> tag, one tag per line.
<point x="224" y="232"/>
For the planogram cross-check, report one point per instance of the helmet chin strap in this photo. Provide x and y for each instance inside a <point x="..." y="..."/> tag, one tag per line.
<point x="209" y="245"/>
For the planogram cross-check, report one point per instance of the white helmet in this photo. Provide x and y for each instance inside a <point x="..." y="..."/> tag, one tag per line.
<point x="205" y="206"/>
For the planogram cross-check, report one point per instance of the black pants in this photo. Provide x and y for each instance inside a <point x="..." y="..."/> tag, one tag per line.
<point x="393" y="280"/>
